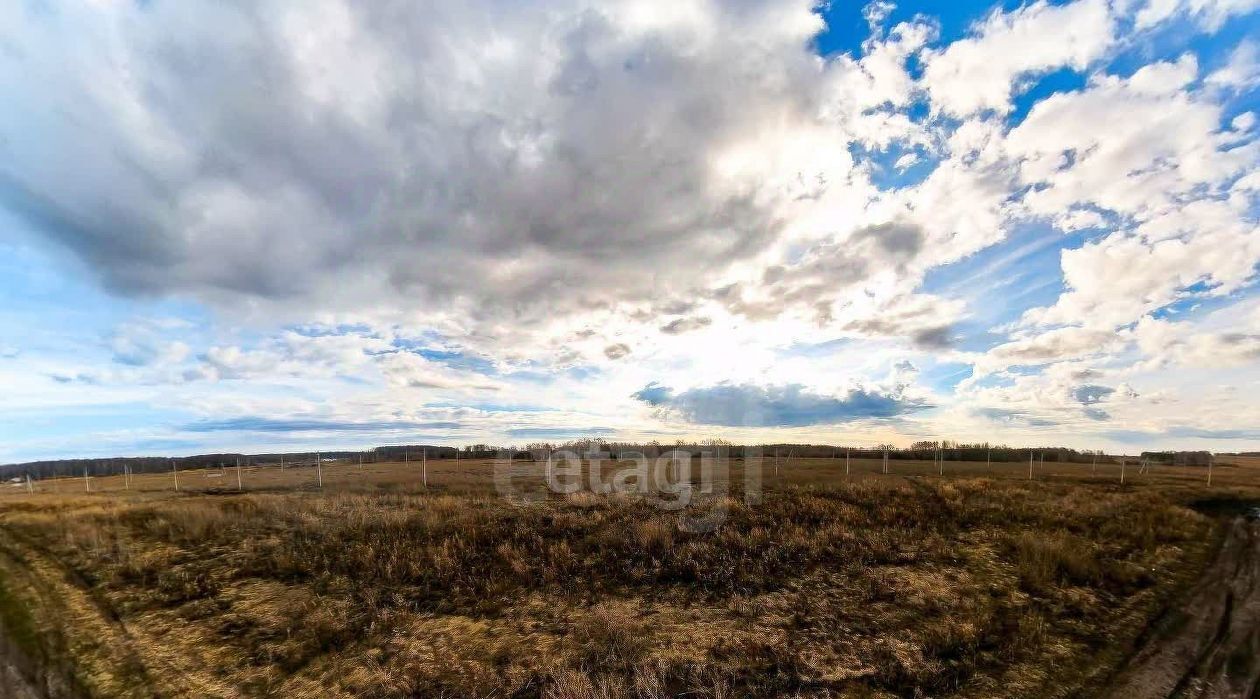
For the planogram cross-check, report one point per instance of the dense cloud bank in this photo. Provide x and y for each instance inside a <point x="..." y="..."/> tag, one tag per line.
<point x="397" y="203"/>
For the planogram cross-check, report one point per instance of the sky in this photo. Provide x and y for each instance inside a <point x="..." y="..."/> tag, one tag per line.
<point x="291" y="225"/>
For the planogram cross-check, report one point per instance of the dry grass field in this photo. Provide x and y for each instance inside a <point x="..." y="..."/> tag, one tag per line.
<point x="477" y="476"/>
<point x="978" y="583"/>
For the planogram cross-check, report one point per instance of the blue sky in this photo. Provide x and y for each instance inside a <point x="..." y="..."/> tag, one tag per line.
<point x="856" y="223"/>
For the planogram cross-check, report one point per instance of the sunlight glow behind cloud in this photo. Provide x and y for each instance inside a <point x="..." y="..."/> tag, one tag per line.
<point x="333" y="222"/>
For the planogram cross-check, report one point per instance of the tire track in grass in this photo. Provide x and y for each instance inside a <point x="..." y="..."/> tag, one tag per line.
<point x="90" y="622"/>
<point x="1208" y="645"/>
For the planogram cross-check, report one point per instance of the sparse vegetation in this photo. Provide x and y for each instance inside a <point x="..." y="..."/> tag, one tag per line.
<point x="966" y="587"/>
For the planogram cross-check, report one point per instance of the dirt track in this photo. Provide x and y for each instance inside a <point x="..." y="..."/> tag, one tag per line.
<point x="1209" y="645"/>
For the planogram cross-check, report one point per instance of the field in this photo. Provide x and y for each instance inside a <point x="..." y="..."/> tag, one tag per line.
<point x="978" y="583"/>
<point x="477" y="476"/>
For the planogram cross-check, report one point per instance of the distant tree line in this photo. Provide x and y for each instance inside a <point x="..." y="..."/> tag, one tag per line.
<point x="1178" y="458"/>
<point x="921" y="450"/>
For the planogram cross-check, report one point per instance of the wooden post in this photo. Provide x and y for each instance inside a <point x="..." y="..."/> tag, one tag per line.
<point x="1030" y="465"/>
<point x="885" y="461"/>
<point x="239" y="484"/>
<point x="360" y="462"/>
<point x="30" y="488"/>
<point x="87" y="485"/>
<point x="282" y="462"/>
<point x="424" y="467"/>
<point x="175" y="470"/>
<point x="846" y="464"/>
<point x="1122" y="464"/>
<point x="941" y="454"/>
<point x="319" y="469"/>
<point x="1093" y="469"/>
<point x="1211" y="459"/>
<point x="988" y="460"/>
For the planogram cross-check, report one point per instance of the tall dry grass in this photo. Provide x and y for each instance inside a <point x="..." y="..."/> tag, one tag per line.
<point x="968" y="588"/>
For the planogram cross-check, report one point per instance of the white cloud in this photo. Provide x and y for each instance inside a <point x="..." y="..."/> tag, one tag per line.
<point x="1162" y="165"/>
<point x="1209" y="14"/>
<point x="1242" y="70"/>
<point x="1227" y="338"/>
<point x="983" y="71"/>
<point x="1060" y="344"/>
